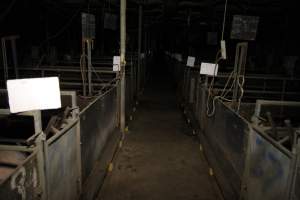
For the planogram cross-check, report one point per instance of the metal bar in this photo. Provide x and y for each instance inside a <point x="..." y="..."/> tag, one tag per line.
<point x="40" y="144"/>
<point x="89" y="50"/>
<point x="16" y="148"/>
<point x="15" y="57"/>
<point x="4" y="57"/>
<point x="78" y="144"/>
<point x="123" y="62"/>
<point x="239" y="68"/>
<point x="277" y="103"/>
<point x="83" y="68"/>
<point x="262" y="92"/>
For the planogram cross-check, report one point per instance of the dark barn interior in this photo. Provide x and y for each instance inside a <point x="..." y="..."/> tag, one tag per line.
<point x="159" y="100"/>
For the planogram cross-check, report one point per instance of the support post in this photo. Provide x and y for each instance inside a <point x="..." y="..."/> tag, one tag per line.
<point x="15" y="56"/>
<point x="89" y="58"/>
<point x="239" y="72"/>
<point x="5" y="66"/>
<point x="123" y="62"/>
<point x="139" y="47"/>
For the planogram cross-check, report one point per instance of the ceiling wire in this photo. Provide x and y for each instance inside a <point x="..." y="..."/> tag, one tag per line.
<point x="224" y="20"/>
<point x="8" y="9"/>
<point x="62" y="30"/>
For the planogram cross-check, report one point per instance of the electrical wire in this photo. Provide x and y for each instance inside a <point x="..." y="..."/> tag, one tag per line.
<point x="210" y="110"/>
<point x="224" y="19"/>
<point x="8" y="9"/>
<point x="241" y="85"/>
<point x="84" y="78"/>
<point x="83" y="70"/>
<point x="62" y="29"/>
<point x="209" y="95"/>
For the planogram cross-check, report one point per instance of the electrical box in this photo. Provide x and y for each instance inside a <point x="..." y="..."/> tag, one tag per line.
<point x="88" y="23"/>
<point x="244" y="27"/>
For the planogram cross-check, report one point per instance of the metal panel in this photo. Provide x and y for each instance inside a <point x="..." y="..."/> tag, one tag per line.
<point x="297" y="183"/>
<point x="227" y="135"/>
<point x="63" y="172"/>
<point x="246" y="168"/>
<point x="97" y="122"/>
<point x="269" y="170"/>
<point x="24" y="182"/>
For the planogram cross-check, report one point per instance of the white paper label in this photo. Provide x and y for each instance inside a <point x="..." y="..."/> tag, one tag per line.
<point x="179" y="57"/>
<point x="116" y="64"/>
<point x="209" y="69"/>
<point x="33" y="94"/>
<point x="190" y="61"/>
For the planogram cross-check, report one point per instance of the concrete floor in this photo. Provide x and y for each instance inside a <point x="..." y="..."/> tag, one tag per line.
<point x="159" y="160"/>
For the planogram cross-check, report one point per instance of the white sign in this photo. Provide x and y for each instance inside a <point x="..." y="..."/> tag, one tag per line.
<point x="209" y="69"/>
<point x="190" y="61"/>
<point x="33" y="94"/>
<point x="179" y="57"/>
<point x="116" y="64"/>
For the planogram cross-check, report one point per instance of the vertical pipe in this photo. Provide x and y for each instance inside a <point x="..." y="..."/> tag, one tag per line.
<point x="15" y="57"/>
<point x="41" y="160"/>
<point x="5" y="66"/>
<point x="139" y="47"/>
<point x="123" y="62"/>
<point x="236" y="66"/>
<point x="83" y="68"/>
<point x="89" y="48"/>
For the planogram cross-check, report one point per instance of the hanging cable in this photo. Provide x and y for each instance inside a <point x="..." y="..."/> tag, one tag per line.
<point x="64" y="27"/>
<point x="224" y="20"/>
<point x="8" y="9"/>
<point x="83" y="70"/>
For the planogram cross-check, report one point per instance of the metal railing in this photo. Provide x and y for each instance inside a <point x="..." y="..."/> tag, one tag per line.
<point x="241" y="154"/>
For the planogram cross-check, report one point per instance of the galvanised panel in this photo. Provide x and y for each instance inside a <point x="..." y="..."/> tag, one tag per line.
<point x="62" y="170"/>
<point x="24" y="183"/>
<point x="227" y="135"/>
<point x="96" y="124"/>
<point x="269" y="170"/>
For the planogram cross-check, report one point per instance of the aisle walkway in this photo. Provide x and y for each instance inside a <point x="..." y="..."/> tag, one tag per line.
<point x="159" y="161"/>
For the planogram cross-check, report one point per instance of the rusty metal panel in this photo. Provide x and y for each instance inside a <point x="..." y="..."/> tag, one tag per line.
<point x="96" y="124"/>
<point x="24" y="182"/>
<point x="62" y="170"/>
<point x="269" y="170"/>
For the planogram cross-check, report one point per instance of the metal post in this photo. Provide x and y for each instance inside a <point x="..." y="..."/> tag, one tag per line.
<point x="41" y="162"/>
<point x="239" y="69"/>
<point x="123" y="62"/>
<point x="83" y="68"/>
<point x="89" y="49"/>
<point x="5" y="66"/>
<point x="15" y="57"/>
<point x="139" y="46"/>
